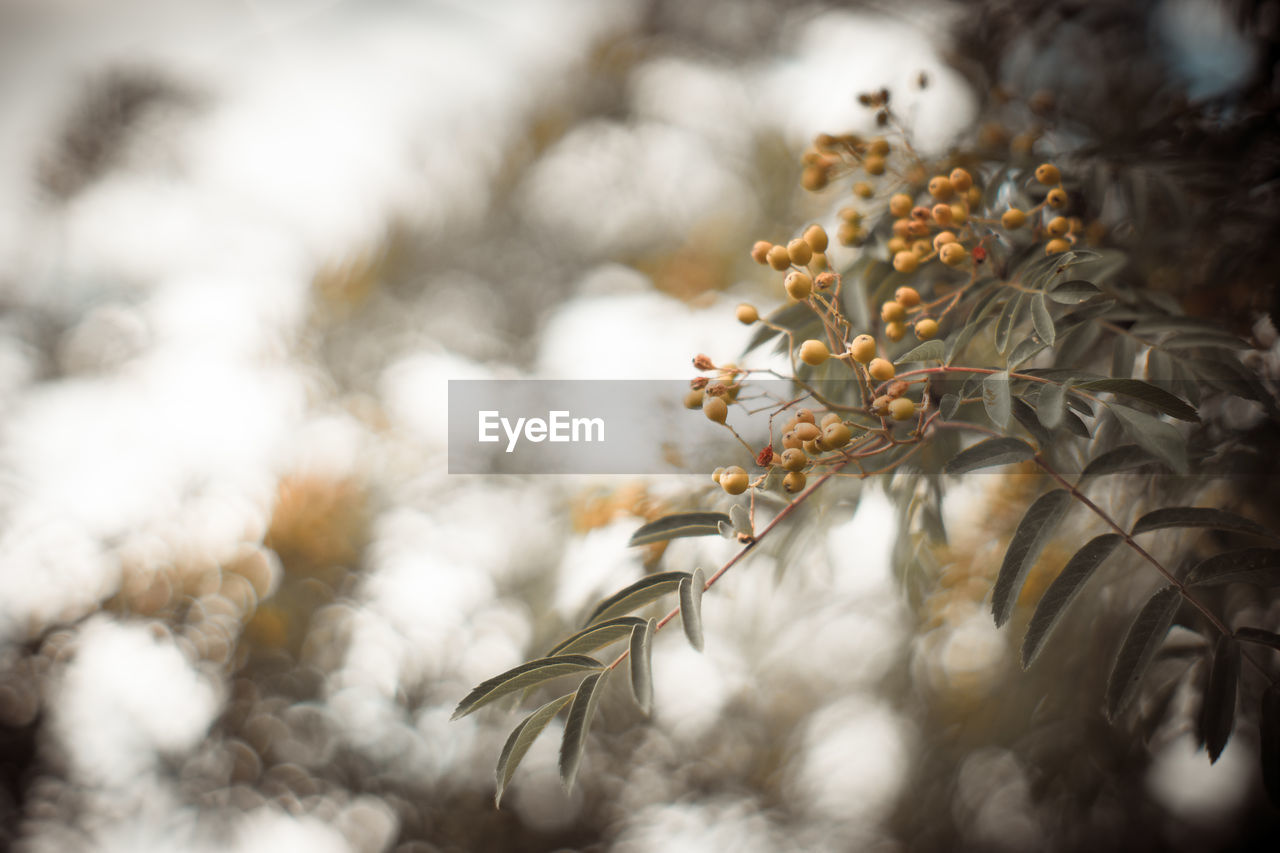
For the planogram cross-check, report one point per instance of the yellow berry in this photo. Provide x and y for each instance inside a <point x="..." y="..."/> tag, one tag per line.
<point x="961" y="180"/>
<point x="814" y="352"/>
<point x="836" y="435"/>
<point x="942" y="238"/>
<point x="760" y="251"/>
<point x="895" y="331"/>
<point x="880" y="369"/>
<point x="940" y="188"/>
<point x="804" y="416"/>
<point x="941" y="214"/>
<point x="778" y="258"/>
<point x="793" y="459"/>
<point x="874" y="165"/>
<point x="1013" y="219"/>
<point x="953" y="254"/>
<point x="926" y="328"/>
<point x="892" y="311"/>
<point x="734" y="480"/>
<point x="814" y="178"/>
<point x="900" y="204"/>
<point x="1047" y="173"/>
<point x="959" y="213"/>
<point x="799" y="251"/>
<point x="818" y="263"/>
<point x="747" y="314"/>
<point x="902" y="228"/>
<point x="816" y="237"/>
<point x="896" y="245"/>
<point x="693" y="400"/>
<point x="862" y="189"/>
<point x="848" y="234"/>
<point x="799" y="285"/>
<point x="863" y="348"/>
<point x="1058" y="226"/>
<point x="902" y="409"/>
<point x="1056" y="246"/>
<point x="830" y="418"/>
<point x="879" y="147"/>
<point x="909" y="297"/>
<point x="715" y="409"/>
<point x="906" y="262"/>
<point x="794" y="482"/>
<point x="807" y="431"/>
<point x="1057" y="198"/>
<point x="921" y="247"/>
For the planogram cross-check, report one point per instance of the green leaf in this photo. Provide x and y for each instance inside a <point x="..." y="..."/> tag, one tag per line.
<point x="995" y="398"/>
<point x="581" y="712"/>
<point x="1073" y="292"/>
<point x="948" y="406"/>
<point x="521" y="738"/>
<point x="1146" y="634"/>
<point x="1023" y="351"/>
<point x="1007" y="321"/>
<point x="1029" y="539"/>
<point x="640" y="593"/>
<point x="1269" y="738"/>
<point x="934" y="350"/>
<point x="642" y="664"/>
<point x="958" y="341"/>
<point x="1258" y="636"/>
<point x="1025" y="415"/>
<point x="1052" y="405"/>
<point x="1245" y="565"/>
<point x="1144" y="392"/>
<point x="1122" y="458"/>
<point x="1155" y="436"/>
<point x="691" y="607"/>
<point x="993" y="451"/>
<point x="1198" y="516"/>
<point x="528" y="674"/>
<point x="677" y="526"/>
<point x="1074" y="425"/>
<point x="597" y="636"/>
<point x="1218" y="710"/>
<point x="1064" y="590"/>
<point x="1042" y="319"/>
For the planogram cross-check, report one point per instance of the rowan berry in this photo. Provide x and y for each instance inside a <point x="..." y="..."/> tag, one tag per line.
<point x="794" y="482"/>
<point x="793" y="459"/>
<point x="875" y="165"/>
<point x="961" y="180"/>
<point x="1047" y="173"/>
<point x="906" y="296"/>
<point x="747" y="314"/>
<point x="799" y="251"/>
<point x="760" y="251"/>
<point x="816" y="237"/>
<point x="941" y="214"/>
<point x="1013" y="219"/>
<point x="778" y="257"/>
<point x="734" y="480"/>
<point x="1056" y="246"/>
<point x="906" y="262"/>
<point x="892" y="311"/>
<point x="798" y="284"/>
<point x="716" y="409"/>
<point x="940" y="187"/>
<point x="895" y="331"/>
<point x="863" y="348"/>
<point x="900" y="205"/>
<point x="814" y="352"/>
<point x="952" y="254"/>
<point x="862" y="189"/>
<point x="901" y="409"/>
<point x="836" y="435"/>
<point x="880" y="369"/>
<point x="926" y="328"/>
<point x="1057" y="198"/>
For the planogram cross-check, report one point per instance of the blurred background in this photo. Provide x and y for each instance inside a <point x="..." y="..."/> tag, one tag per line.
<point x="243" y="248"/>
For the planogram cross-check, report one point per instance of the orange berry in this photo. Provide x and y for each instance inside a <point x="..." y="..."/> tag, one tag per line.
<point x="863" y="348"/>
<point x="1056" y="246"/>
<point x="907" y="296"/>
<point x="1058" y="226"/>
<point x="778" y="257"/>
<point x="830" y="418"/>
<point x="902" y="409"/>
<point x="836" y="435"/>
<point x="747" y="314"/>
<point x="941" y="214"/>
<point x="916" y="228"/>
<point x="953" y="254"/>
<point x="814" y="352"/>
<point x="716" y="409"/>
<point x="799" y="251"/>
<point x="816" y="237"/>
<point x="862" y="189"/>
<point x="814" y="178"/>
<point x="798" y="284"/>
<point x="942" y="238"/>
<point x="940" y="187"/>
<point x="879" y="147"/>
<point x="760" y="251"/>
<point x="1013" y="219"/>
<point x="959" y="213"/>
<point x="880" y="406"/>
<point x="1057" y="198"/>
<point x="849" y="234"/>
<point x="818" y="262"/>
<point x="892" y="312"/>
<point x="921" y="247"/>
<point x="961" y="180"/>
<point x="906" y="262"/>
<point x="900" y="205"/>
<point x="895" y="331"/>
<point x="804" y="416"/>
<point x="875" y="165"/>
<point x="1047" y="173"/>
<point x="926" y="328"/>
<point x="734" y="480"/>
<point x="807" y="431"/>
<point x="880" y="369"/>
<point x="693" y="399"/>
<point x="902" y="228"/>
<point x="896" y="245"/>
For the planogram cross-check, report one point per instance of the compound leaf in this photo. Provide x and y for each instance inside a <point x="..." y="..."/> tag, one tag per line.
<point x="521" y="738"/>
<point x="1245" y="565"/>
<point x="1030" y="537"/>
<point x="637" y="595"/>
<point x="995" y="398"/>
<point x="581" y="712"/>
<point x="993" y="451"/>
<point x="526" y="675"/>
<point x="1145" y="392"/>
<point x="1064" y="590"/>
<point x="1155" y="436"/>
<point x="597" y="636"/>
<point x="1198" y="516"/>
<point x="1140" y="645"/>
<point x="1218" y="710"/>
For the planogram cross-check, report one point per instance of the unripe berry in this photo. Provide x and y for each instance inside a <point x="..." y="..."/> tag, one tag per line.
<point x="814" y="178"/>
<point x="952" y="254"/>
<point x="715" y="409"/>
<point x="941" y="214"/>
<point x="874" y="165"/>
<point x="799" y="251"/>
<point x="807" y="431"/>
<point x="1047" y="173"/>
<point x="1013" y="219"/>
<point x="942" y="238"/>
<point x="1057" y="198"/>
<point x="734" y="480"/>
<point x="961" y="180"/>
<point x="880" y="369"/>
<point x="804" y="416"/>
<point x="1056" y="246"/>
<point x="1058" y="226"/>
<point x="794" y="482"/>
<point x="880" y="406"/>
<point x="830" y="418"/>
<point x="816" y="237"/>
<point x="794" y="459"/>
<point x="778" y="257"/>
<point x="747" y="314"/>
<point x="896" y="245"/>
<point x="799" y="285"/>
<point x="760" y="251"/>
<point x="906" y="262"/>
<point x="814" y="352"/>
<point x="693" y="400"/>
<point x="940" y="188"/>
<point x="900" y="205"/>
<point x="895" y="331"/>
<point x="892" y="312"/>
<point x="879" y="147"/>
<point x="906" y="296"/>
<point x="902" y="409"/>
<point x="863" y="348"/>
<point x="836" y="435"/>
<point x="926" y="329"/>
<point x="862" y="189"/>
